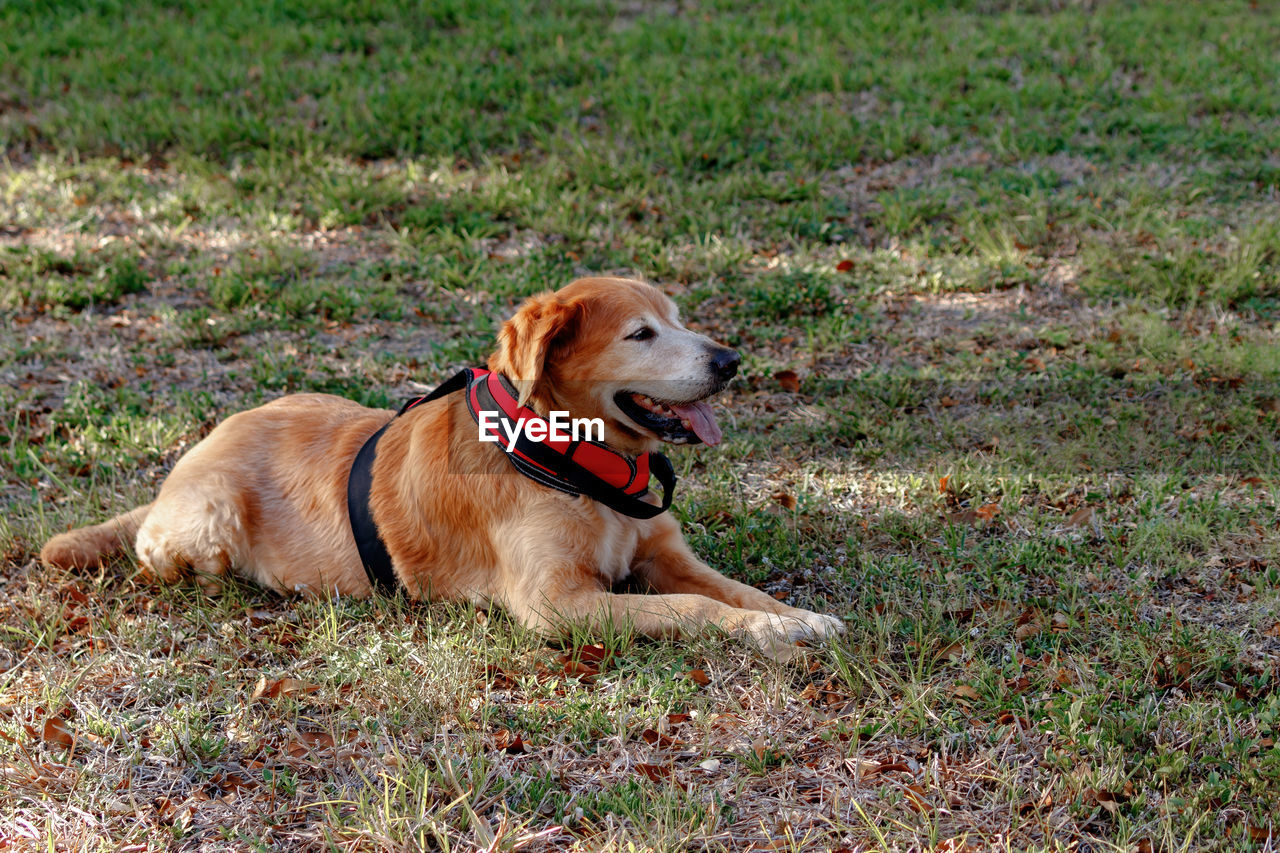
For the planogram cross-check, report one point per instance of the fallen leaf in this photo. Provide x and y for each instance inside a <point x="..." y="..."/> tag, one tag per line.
<point x="965" y="693"/>
<point x="916" y="798"/>
<point x="228" y="782"/>
<point x="889" y="767"/>
<point x="582" y="671"/>
<point x="56" y="731"/>
<point x="953" y="652"/>
<point x="308" y="741"/>
<point x="986" y="512"/>
<point x="498" y="678"/>
<point x="975" y="516"/>
<point x="1081" y="517"/>
<point x="653" y="772"/>
<point x="698" y="677"/>
<point x="789" y="380"/>
<point x="506" y="741"/>
<point x="265" y="689"/>
<point x="72" y="593"/>
<point x="1027" y="630"/>
<point x="1109" y="800"/>
<point x="594" y="653"/>
<point x="1259" y="833"/>
<point x="656" y="738"/>
<point x="786" y="500"/>
<point x="844" y="266"/>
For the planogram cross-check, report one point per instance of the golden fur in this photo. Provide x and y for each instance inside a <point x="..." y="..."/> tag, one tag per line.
<point x="264" y="494"/>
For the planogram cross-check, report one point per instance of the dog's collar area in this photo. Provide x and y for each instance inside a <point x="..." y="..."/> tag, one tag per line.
<point x="573" y="467"/>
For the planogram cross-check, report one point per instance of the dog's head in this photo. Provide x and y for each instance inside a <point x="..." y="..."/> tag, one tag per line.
<point x="614" y="349"/>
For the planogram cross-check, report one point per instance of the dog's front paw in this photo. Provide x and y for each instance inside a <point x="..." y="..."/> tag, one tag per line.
<point x="824" y="627"/>
<point x="776" y="634"/>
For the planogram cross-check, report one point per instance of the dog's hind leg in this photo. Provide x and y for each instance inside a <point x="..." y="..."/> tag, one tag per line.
<point x="197" y="528"/>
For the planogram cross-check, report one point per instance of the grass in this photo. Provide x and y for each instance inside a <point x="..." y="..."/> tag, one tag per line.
<point x="1006" y="277"/>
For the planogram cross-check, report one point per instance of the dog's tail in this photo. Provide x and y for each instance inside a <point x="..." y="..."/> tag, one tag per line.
<point x="86" y="547"/>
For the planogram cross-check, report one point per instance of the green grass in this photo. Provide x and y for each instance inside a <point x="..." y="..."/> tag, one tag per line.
<point x="1021" y="258"/>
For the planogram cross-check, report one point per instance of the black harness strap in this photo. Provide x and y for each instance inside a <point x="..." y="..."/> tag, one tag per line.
<point x="539" y="461"/>
<point x="373" y="552"/>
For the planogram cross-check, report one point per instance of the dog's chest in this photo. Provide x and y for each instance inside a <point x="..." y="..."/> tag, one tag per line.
<point x="615" y="546"/>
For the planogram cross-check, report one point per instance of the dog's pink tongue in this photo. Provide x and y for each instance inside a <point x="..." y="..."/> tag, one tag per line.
<point x="702" y="419"/>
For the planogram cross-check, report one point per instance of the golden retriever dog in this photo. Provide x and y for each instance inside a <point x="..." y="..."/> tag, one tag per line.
<point x="265" y="494"/>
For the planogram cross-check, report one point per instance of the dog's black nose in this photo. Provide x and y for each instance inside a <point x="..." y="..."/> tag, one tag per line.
<point x="725" y="363"/>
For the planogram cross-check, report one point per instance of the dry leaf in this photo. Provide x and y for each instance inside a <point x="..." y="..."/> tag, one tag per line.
<point x="583" y="671"/>
<point x="916" y="798"/>
<point x="1027" y="630"/>
<point x="786" y="500"/>
<point x="698" y="677"/>
<point x="265" y="689"/>
<point x="506" y="741"/>
<point x="789" y="380"/>
<point x="655" y="738"/>
<point x="844" y="266"/>
<point x="56" y="731"/>
<point x="986" y="512"/>
<point x="1109" y="800"/>
<point x="975" y="516"/>
<point x="1081" y="517"/>
<point x="965" y="693"/>
<point x="653" y="772"/>
<point x="1259" y="833"/>
<point x="955" y="845"/>
<point x="889" y="767"/>
<point x="594" y="653"/>
<point x="308" y="741"/>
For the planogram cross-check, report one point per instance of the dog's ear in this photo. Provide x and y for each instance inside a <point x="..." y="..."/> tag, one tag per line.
<point x="527" y="338"/>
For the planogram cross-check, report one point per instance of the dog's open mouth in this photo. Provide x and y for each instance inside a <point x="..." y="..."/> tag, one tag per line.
<point x="674" y="423"/>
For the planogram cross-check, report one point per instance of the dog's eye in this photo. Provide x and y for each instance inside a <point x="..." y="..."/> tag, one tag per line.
<point x="644" y="333"/>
